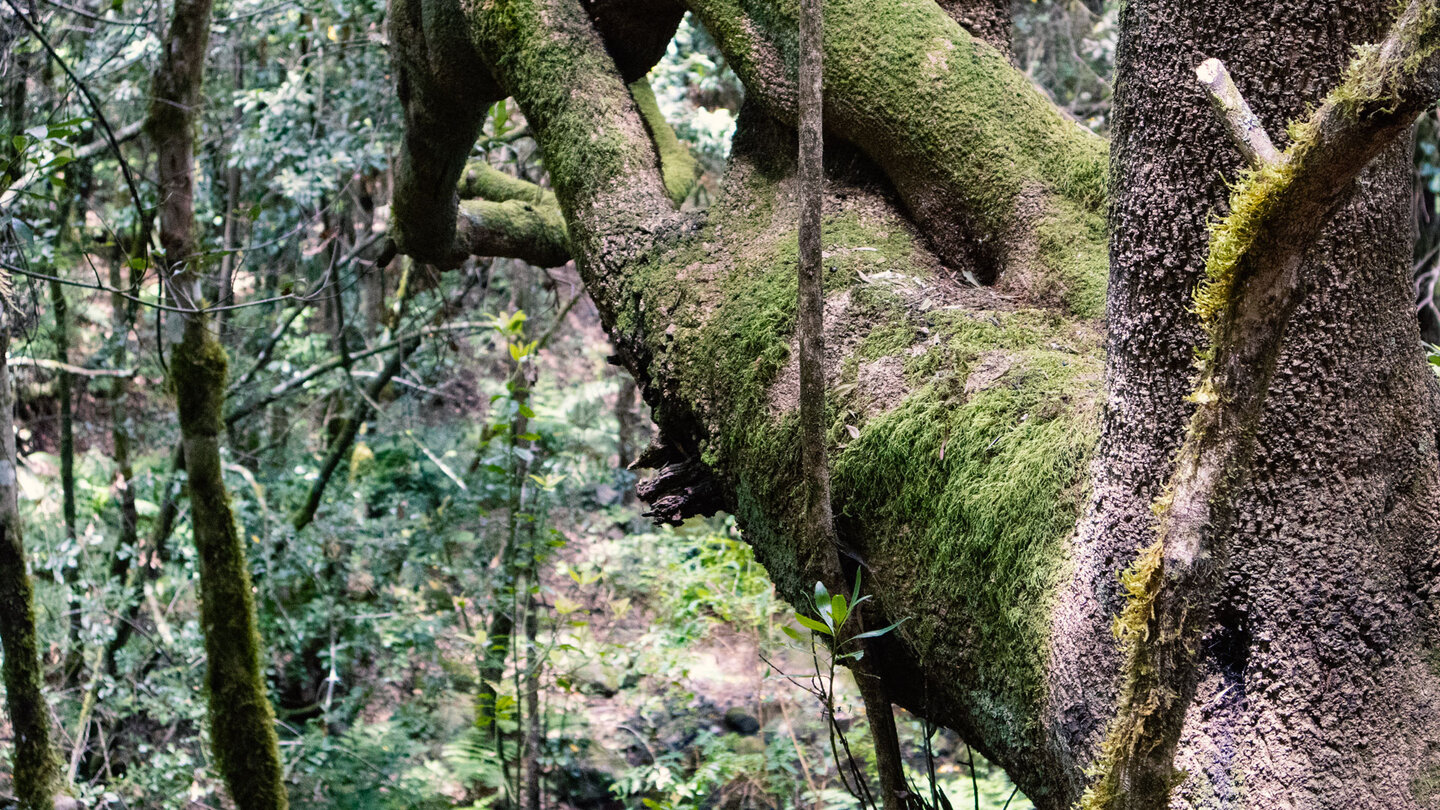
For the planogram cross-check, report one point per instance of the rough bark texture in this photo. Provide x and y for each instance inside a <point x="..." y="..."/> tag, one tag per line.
<point x="1321" y="629"/>
<point x="978" y="407"/>
<point x="987" y="20"/>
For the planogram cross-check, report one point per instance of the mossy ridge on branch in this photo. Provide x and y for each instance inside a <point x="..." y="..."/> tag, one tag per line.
<point x="978" y="530"/>
<point x="983" y="161"/>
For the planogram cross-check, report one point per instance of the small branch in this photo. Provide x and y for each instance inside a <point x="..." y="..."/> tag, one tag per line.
<point x="299" y="380"/>
<point x="79" y="371"/>
<point x="481" y="181"/>
<point x="1241" y="123"/>
<point x="341" y="448"/>
<point x="125" y="134"/>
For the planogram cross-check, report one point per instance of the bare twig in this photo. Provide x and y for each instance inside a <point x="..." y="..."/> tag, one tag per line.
<point x="1241" y="123"/>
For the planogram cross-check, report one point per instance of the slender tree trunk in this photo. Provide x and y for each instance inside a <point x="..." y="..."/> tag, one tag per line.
<point x="810" y="332"/>
<point x="37" y="768"/>
<point x="340" y="447"/>
<point x="60" y="310"/>
<point x="242" y="722"/>
<point x="534" y="668"/>
<point x="127" y="547"/>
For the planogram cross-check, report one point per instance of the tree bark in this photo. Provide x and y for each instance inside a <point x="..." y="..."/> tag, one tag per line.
<point x="1300" y="611"/>
<point x="987" y="20"/>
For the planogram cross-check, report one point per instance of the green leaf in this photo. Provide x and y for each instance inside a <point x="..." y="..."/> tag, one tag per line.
<point x="812" y="625"/>
<point x="878" y="633"/>
<point x="838" y="610"/>
<point x="527" y="413"/>
<point x="792" y="633"/>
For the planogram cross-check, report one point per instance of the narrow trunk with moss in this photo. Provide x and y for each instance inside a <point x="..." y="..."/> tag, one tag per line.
<point x="242" y="721"/>
<point x="37" y="768"/>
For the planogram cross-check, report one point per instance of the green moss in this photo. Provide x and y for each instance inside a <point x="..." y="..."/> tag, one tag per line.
<point x="1371" y="83"/>
<point x="979" y="143"/>
<point x="678" y="167"/>
<point x="242" y="722"/>
<point x="1426" y="786"/>
<point x="483" y="181"/>
<point x="197" y="376"/>
<point x="1066" y="240"/>
<point x="1255" y="199"/>
<point x="37" y="770"/>
<point x="974" y="532"/>
<point x="575" y="102"/>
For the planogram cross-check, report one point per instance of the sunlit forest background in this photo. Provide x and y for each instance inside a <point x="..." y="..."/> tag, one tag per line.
<point x="394" y="493"/>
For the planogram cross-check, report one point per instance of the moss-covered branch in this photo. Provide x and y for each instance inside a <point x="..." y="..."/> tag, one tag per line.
<point x="602" y="162"/>
<point x="445" y="89"/>
<point x="1001" y="183"/>
<point x="514" y="229"/>
<point x="1253" y="285"/>
<point x="485" y="182"/>
<point x="677" y="166"/>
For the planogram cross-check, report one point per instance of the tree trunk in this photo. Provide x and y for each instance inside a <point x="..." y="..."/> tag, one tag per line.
<point x="1321" y="629"/>
<point x="242" y="722"/>
<point x="979" y="410"/>
<point x="37" y="768"/>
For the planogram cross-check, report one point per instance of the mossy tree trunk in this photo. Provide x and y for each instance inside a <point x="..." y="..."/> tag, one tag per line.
<point x="991" y="498"/>
<point x="242" y="721"/>
<point x="37" y="768"/>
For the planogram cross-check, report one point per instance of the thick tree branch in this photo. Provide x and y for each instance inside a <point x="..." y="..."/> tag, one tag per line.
<point x="602" y="162"/>
<point x="446" y="88"/>
<point x="514" y="229"/>
<point x="1253" y="285"/>
<point x="1000" y="181"/>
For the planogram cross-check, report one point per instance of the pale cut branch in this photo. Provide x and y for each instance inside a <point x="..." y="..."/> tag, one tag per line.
<point x="1241" y="123"/>
<point x="79" y="371"/>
